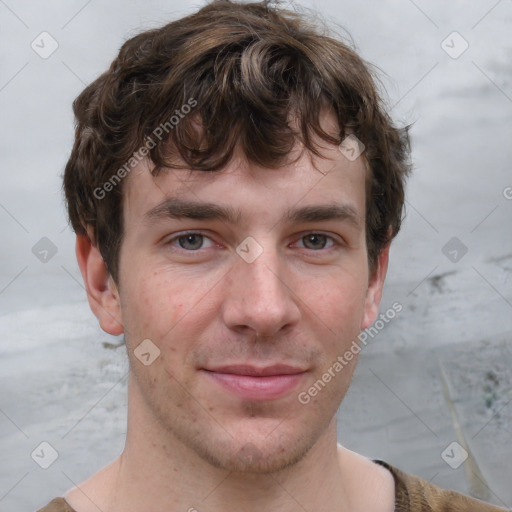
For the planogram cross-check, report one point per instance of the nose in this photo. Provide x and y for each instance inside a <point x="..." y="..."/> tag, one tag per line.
<point x="259" y="296"/>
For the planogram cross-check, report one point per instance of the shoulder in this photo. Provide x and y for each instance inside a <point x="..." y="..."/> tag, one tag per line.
<point x="415" y="494"/>
<point x="57" y="505"/>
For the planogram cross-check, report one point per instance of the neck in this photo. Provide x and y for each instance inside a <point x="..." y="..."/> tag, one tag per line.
<point x="156" y="464"/>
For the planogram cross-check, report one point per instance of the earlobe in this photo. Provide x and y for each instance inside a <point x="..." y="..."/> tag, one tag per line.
<point x="102" y="292"/>
<point x="374" y="292"/>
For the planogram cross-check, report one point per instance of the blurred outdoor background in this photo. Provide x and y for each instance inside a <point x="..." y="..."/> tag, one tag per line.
<point x="433" y="391"/>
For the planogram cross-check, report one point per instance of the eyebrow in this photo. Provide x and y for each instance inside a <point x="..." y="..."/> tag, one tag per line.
<point x="175" y="208"/>
<point x="341" y="212"/>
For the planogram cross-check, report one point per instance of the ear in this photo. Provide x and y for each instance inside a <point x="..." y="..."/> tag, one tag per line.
<point x="374" y="292"/>
<point x="101" y="290"/>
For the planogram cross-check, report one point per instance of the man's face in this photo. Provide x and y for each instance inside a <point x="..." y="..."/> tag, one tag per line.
<point x="244" y="325"/>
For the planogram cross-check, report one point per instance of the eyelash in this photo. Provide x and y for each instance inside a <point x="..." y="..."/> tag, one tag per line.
<point x="175" y="238"/>
<point x="185" y="234"/>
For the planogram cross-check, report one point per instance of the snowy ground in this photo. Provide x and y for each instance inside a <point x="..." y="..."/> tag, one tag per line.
<point x="438" y="373"/>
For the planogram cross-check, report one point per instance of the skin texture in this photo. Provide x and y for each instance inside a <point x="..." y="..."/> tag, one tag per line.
<point x="302" y="302"/>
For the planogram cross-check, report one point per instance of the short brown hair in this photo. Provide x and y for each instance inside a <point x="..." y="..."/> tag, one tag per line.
<point x="247" y="68"/>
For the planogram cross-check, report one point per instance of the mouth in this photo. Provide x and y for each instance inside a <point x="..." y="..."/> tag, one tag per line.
<point x="257" y="383"/>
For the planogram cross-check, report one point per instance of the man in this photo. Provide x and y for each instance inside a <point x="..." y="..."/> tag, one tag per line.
<point x="234" y="186"/>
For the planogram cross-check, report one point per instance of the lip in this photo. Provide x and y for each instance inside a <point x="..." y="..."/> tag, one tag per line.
<point x="257" y="383"/>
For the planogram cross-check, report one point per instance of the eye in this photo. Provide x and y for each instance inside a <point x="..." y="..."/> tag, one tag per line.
<point x="317" y="241"/>
<point x="190" y="241"/>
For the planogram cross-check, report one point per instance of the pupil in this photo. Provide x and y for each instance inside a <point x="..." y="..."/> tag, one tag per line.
<point x="187" y="241"/>
<point x="315" y="239"/>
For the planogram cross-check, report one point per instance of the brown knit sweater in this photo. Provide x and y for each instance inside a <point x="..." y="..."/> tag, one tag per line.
<point x="412" y="494"/>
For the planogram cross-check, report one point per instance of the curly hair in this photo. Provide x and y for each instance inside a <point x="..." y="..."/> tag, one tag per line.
<point x="246" y="70"/>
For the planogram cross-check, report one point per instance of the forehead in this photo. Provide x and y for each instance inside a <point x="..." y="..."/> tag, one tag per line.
<point x="246" y="188"/>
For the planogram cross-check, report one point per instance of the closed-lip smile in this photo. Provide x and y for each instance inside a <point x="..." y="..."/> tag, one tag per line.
<point x="257" y="383"/>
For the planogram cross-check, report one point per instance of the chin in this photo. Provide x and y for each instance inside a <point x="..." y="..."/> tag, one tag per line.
<point x="258" y="446"/>
<point x="255" y="457"/>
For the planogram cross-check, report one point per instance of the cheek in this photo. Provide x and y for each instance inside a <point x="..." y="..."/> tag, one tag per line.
<point x="152" y="307"/>
<point x="168" y="308"/>
<point x="338" y="303"/>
